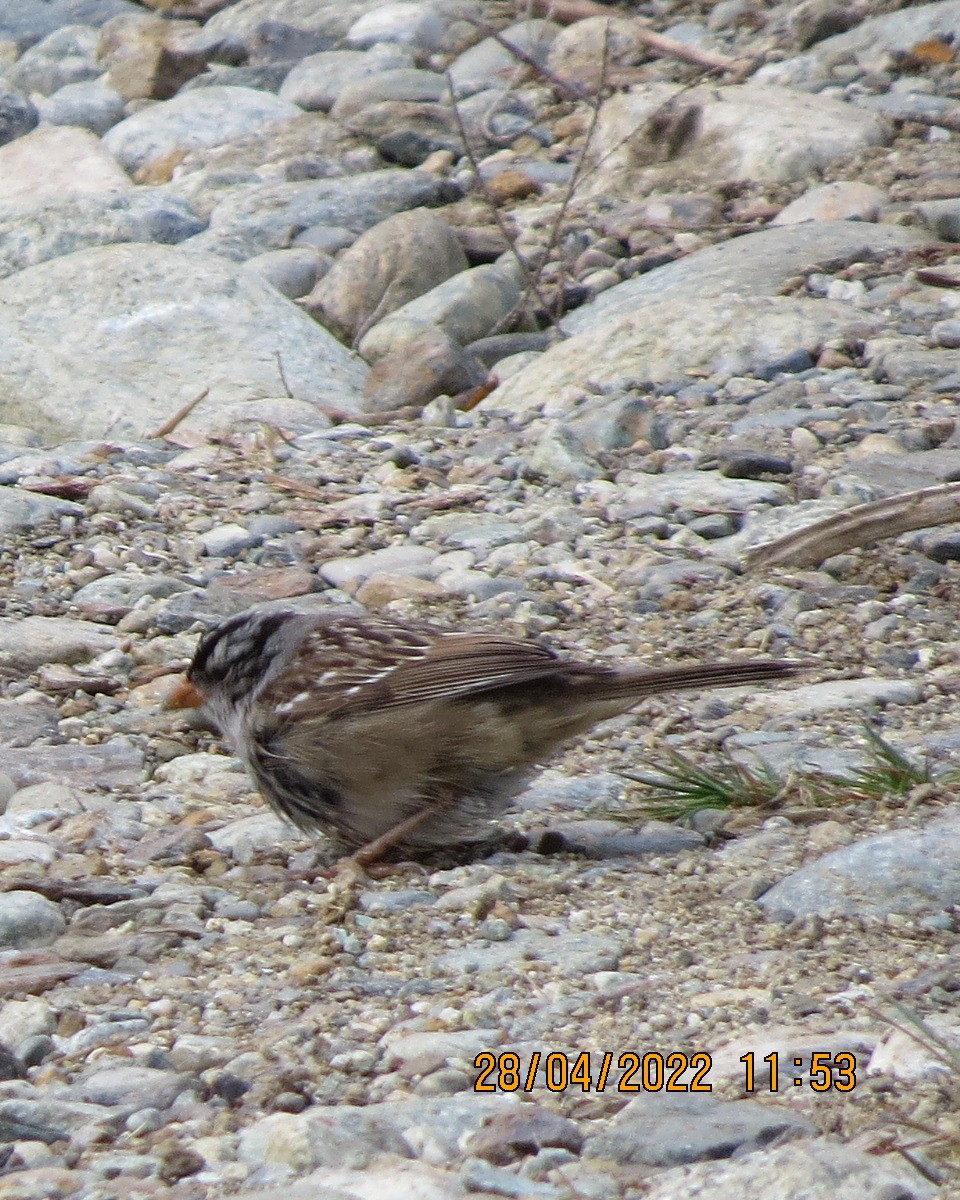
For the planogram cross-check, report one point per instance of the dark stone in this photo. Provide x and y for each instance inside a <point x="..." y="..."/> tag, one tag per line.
<point x="17" y="116"/>
<point x="10" y="1066"/>
<point x="752" y="464"/>
<point x="663" y="1131"/>
<point x="790" y="364"/>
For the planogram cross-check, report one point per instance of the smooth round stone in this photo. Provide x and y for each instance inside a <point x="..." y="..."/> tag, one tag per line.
<point x="67" y="56"/>
<point x="292" y="272"/>
<point x="140" y="1086"/>
<point x="409" y="23"/>
<point x="315" y="83"/>
<point x="90" y="105"/>
<point x="947" y="334"/>
<point x="225" y="540"/>
<point x="193" y="120"/>
<point x="28" y="919"/>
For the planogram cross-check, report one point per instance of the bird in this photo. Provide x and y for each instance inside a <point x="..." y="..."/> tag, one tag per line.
<point x="402" y="738"/>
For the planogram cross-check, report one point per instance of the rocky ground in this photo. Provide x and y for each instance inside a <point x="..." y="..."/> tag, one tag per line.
<point x="265" y="339"/>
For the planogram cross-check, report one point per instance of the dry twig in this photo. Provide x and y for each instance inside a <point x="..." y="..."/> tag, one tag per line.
<point x="859" y="526"/>
<point x="180" y="415"/>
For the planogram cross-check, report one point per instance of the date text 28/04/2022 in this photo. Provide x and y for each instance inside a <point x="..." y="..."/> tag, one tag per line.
<point x="655" y="1071"/>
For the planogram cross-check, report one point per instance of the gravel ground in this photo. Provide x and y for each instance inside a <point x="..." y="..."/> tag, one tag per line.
<point x="188" y="1008"/>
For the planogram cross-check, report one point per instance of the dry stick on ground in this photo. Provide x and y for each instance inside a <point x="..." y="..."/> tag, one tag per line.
<point x="283" y="375"/>
<point x="568" y="12"/>
<point x="859" y="526"/>
<point x="180" y="415"/>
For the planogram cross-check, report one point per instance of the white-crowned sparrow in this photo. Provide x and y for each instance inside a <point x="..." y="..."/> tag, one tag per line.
<point x="402" y="736"/>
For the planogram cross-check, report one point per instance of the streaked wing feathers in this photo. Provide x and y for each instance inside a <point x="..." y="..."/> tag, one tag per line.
<point x="464" y="664"/>
<point x="351" y="676"/>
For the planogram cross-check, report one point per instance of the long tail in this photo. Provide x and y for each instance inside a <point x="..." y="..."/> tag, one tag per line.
<point x="642" y="681"/>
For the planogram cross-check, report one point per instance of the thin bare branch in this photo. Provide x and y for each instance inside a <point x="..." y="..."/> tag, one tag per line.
<point x="859" y="526"/>
<point x="180" y="415"/>
<point x="531" y="282"/>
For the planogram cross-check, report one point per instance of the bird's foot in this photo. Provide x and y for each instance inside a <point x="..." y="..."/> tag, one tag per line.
<point x="349" y="875"/>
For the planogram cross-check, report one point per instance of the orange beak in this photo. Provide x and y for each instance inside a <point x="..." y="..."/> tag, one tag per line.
<point x="184" y="695"/>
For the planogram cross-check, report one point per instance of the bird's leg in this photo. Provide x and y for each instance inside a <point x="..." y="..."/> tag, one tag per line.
<point x="386" y="841"/>
<point x="351" y="871"/>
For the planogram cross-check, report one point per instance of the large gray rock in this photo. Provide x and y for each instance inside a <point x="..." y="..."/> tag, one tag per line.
<point x="743" y="132"/>
<point x="28" y="642"/>
<point x="32" y="234"/>
<point x="757" y="264"/>
<point x="807" y="1170"/>
<point x="662" y="1130"/>
<point x="717" y="310"/>
<point x="327" y="18"/>
<point x="28" y="919"/>
<point x="911" y="871"/>
<point x="55" y="162"/>
<point x="203" y="117"/>
<point x="21" y="511"/>
<point x="69" y="55"/>
<point x="92" y="105"/>
<point x="317" y="80"/>
<point x="115" y="340"/>
<point x="467" y="306"/>
<point x="389" y="265"/>
<point x="252" y="220"/>
<point x="490" y="62"/>
<point x="738" y="335"/>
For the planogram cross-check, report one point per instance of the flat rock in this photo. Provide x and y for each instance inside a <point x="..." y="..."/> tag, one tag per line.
<point x="249" y="837"/>
<point x="757" y="264"/>
<point x="27" y="642"/>
<point x="738" y="132"/>
<point x="57" y="161"/>
<point x="115" y="763"/>
<point x="57" y="226"/>
<point x="844" y="200"/>
<point x="139" y="1087"/>
<point x="842" y="693"/>
<point x="21" y="511"/>
<point x="131" y="333"/>
<point x="660" y="1130"/>
<point x="809" y="1170"/>
<point x="659" y="494"/>
<point x="202" y="117"/>
<point x="570" y="954"/>
<point x="911" y="871"/>
<point x="661" y="339"/>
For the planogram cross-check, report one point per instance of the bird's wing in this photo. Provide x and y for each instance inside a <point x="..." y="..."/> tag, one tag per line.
<point x="348" y="668"/>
